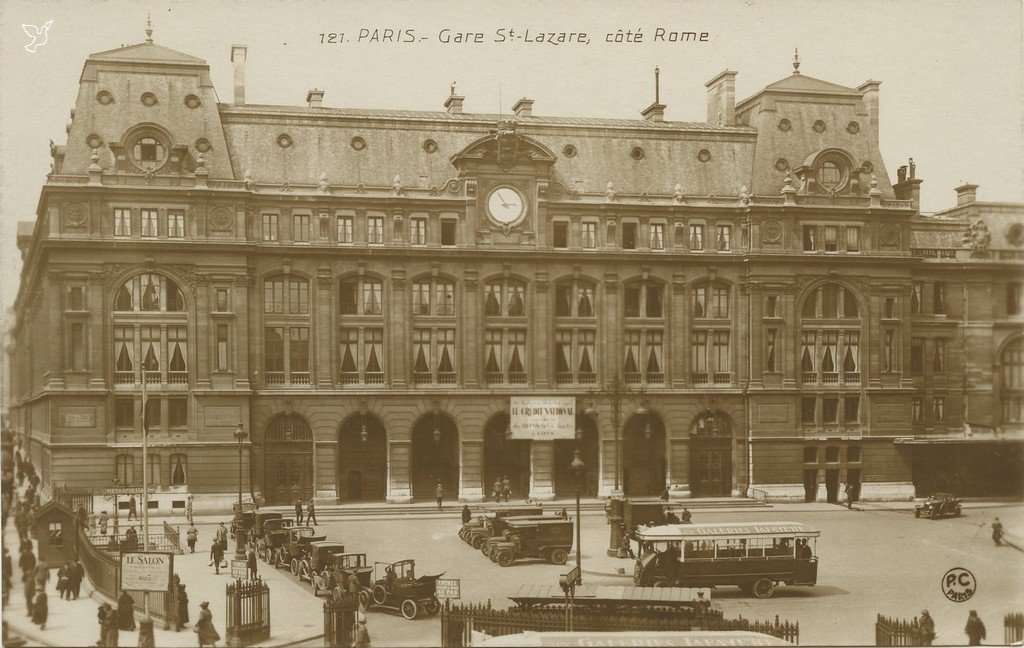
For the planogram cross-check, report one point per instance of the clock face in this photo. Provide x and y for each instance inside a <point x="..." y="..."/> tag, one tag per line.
<point x="506" y="206"/>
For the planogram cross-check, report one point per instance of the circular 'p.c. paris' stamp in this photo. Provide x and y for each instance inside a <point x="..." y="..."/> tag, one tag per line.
<point x="959" y="584"/>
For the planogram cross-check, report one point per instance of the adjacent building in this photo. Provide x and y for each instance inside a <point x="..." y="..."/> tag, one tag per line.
<point x="361" y="292"/>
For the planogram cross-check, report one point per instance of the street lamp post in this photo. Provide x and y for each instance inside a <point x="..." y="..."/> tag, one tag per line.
<point x="579" y="473"/>
<point x="240" y="533"/>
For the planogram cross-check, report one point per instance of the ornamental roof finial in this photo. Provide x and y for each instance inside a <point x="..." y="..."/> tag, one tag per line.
<point x="149" y="29"/>
<point x="796" y="61"/>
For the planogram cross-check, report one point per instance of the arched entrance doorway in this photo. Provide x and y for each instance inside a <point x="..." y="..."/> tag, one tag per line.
<point x="643" y="456"/>
<point x="504" y="457"/>
<point x="362" y="459"/>
<point x="711" y="456"/>
<point x="565" y="449"/>
<point x="435" y="457"/>
<point x="287" y="460"/>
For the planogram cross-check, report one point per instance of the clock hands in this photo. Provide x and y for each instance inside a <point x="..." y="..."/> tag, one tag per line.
<point x="503" y="203"/>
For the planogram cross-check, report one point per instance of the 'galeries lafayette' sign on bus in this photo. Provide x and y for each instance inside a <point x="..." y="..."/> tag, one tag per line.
<point x="542" y="418"/>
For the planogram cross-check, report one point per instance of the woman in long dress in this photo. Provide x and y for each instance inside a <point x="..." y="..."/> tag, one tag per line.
<point x="182" y="606"/>
<point x="41" y="610"/>
<point x="204" y="626"/>
<point x="126" y="612"/>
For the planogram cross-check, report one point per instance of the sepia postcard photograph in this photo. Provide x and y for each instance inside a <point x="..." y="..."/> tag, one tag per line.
<point x="538" y="323"/>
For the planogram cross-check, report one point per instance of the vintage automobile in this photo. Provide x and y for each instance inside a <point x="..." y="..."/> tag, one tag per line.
<point x="333" y="577"/>
<point x="475" y="532"/>
<point x="319" y="554"/>
<point x="260" y="521"/>
<point x="754" y="556"/>
<point x="395" y="585"/>
<point x="294" y="545"/>
<point x="549" y="539"/>
<point x="272" y="537"/>
<point x="938" y="505"/>
<point x="498" y="528"/>
<point x="245" y="517"/>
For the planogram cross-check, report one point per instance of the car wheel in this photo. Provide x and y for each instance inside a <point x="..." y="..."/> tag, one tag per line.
<point x="504" y="558"/>
<point x="295" y="566"/>
<point x="935" y="514"/>
<point x="764" y="588"/>
<point x="380" y="594"/>
<point x="559" y="556"/>
<point x="661" y="582"/>
<point x="364" y="599"/>
<point x="917" y="513"/>
<point x="957" y="512"/>
<point x="432" y="607"/>
<point x="476" y="541"/>
<point x="410" y="609"/>
<point x="337" y="593"/>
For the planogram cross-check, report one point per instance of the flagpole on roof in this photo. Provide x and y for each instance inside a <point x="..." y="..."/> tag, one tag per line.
<point x="145" y="480"/>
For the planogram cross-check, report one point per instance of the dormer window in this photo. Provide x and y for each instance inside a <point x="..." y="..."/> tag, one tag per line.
<point x="830" y="177"/>
<point x="149" y="153"/>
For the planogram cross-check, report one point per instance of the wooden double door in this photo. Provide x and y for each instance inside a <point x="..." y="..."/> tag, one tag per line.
<point x="287" y="476"/>
<point x="711" y="467"/>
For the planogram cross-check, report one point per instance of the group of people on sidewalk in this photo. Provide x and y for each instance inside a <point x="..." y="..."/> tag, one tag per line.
<point x="310" y="512"/>
<point x="974" y="629"/>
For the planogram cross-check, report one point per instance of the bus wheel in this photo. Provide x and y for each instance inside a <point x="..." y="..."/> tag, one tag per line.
<point x="661" y="582"/>
<point x="764" y="588"/>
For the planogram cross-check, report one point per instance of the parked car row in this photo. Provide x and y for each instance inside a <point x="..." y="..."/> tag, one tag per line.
<point x="330" y="569"/>
<point x="506" y="534"/>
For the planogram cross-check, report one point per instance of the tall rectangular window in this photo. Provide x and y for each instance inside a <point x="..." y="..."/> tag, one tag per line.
<point x="300" y="228"/>
<point x="890" y="308"/>
<point x="853" y="239"/>
<point x="421" y="298"/>
<point x="177" y="412"/>
<point x="939" y="409"/>
<point x="719" y="302"/>
<point x="560" y="235"/>
<point x="298" y="354"/>
<point x="76" y="347"/>
<point x="696" y="237"/>
<point x="589" y="235"/>
<point x="770" y="354"/>
<point x="445" y="293"/>
<point x="771" y="306"/>
<point x="222" y="347"/>
<point x="916" y="414"/>
<point x="851" y="410"/>
<point x="939" y="356"/>
<point x="373" y="352"/>
<point x="808" y="409"/>
<point x="810" y="238"/>
<point x="724" y="238"/>
<point x="150" y="224"/>
<point x="830" y="410"/>
<point x="179" y="469"/>
<point x="418" y="231"/>
<point x="629" y="236"/>
<point x="699" y="352"/>
<point x="917" y="298"/>
<point x="348" y="298"/>
<point x="273" y="353"/>
<point x="373" y="298"/>
<point x="445" y="355"/>
<point x="273" y="296"/>
<point x="298" y="296"/>
<point x="124" y="412"/>
<point x="375" y="230"/>
<point x="916" y="356"/>
<point x="890" y="355"/>
<point x="175" y="223"/>
<point x="344" y="229"/>
<point x="563" y="356"/>
<point x="939" y="298"/>
<point x="269" y="227"/>
<point x="448" y="228"/>
<point x="76" y="298"/>
<point x="1014" y="292"/>
<point x="221" y="305"/>
<point x="831" y="238"/>
<point x="348" y="340"/>
<point x="657" y="236"/>
<point x="721" y="352"/>
<point x="122" y="222"/>
<point x="124" y="469"/>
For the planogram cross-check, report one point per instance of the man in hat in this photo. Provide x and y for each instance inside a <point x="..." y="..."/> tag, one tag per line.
<point x="133" y="508"/>
<point x="311" y="513"/>
<point x="298" y="511"/>
<point x="467" y="515"/>
<point x="217" y="551"/>
<point x="927" y="628"/>
<point x="104" y="519"/>
<point x="191" y="536"/>
<point x="687" y="516"/>
<point x="671" y="517"/>
<point x="188" y="511"/>
<point x="75" y="578"/>
<point x="439" y="495"/>
<point x="975" y="629"/>
<point x="250" y="563"/>
<point x="997" y="532"/>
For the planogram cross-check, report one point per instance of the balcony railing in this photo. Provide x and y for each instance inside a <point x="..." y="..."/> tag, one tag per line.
<point x="446" y="378"/>
<point x="934" y="253"/>
<point x="852" y="377"/>
<point x="274" y="377"/>
<point x="587" y="378"/>
<point x="563" y="377"/>
<point x="349" y="377"/>
<point x="517" y="377"/>
<point x="374" y="378"/>
<point x="421" y="377"/>
<point x="494" y="377"/>
<point x="152" y="377"/>
<point x="177" y="377"/>
<point x="300" y="377"/>
<point x="124" y="377"/>
<point x="722" y="377"/>
<point x="830" y="377"/>
<point x="809" y="377"/>
<point x="655" y="378"/>
<point x="633" y="377"/>
<point x="699" y="378"/>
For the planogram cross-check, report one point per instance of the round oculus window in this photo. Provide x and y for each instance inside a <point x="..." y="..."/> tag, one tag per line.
<point x="203" y="145"/>
<point x="104" y="97"/>
<point x="148" y="99"/>
<point x="784" y="125"/>
<point x="704" y="155"/>
<point x="637" y="153"/>
<point x="149" y="153"/>
<point x="781" y="164"/>
<point x="94" y="141"/>
<point x="284" y="140"/>
<point x="358" y="143"/>
<point x="569" y="150"/>
<point x="853" y="128"/>
<point x="430" y="146"/>
<point x="192" y="101"/>
<point x="819" y="126"/>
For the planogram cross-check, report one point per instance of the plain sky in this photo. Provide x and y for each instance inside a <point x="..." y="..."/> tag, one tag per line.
<point x="951" y="72"/>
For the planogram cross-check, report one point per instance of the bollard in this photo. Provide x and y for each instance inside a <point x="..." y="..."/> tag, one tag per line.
<point x="146" y="634"/>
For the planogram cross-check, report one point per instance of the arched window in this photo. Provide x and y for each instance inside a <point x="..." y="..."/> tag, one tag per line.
<point x="361" y="341"/>
<point x="575" y="332"/>
<point x="140" y="345"/>
<point x="286" y="330"/>
<point x="710" y="333"/>
<point x="149" y="292"/>
<point x="643" y="359"/>
<point x="505" y="356"/>
<point x="434" y="327"/>
<point x="179" y="469"/>
<point x="830" y="336"/>
<point x="1011" y="361"/>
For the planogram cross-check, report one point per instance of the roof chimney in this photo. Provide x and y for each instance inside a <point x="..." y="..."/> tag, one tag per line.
<point x="315" y="98"/>
<point x="869" y="90"/>
<point x="966" y="193"/>
<point x="523" y="108"/>
<point x="722" y="99"/>
<point x="238" y="58"/>
<point x="453" y="104"/>
<point x="656" y="111"/>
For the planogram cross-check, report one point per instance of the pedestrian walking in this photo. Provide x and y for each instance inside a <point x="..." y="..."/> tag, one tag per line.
<point x="506" y="488"/>
<point x="997" y="532"/>
<point x="104" y="519"/>
<point x="975" y="629"/>
<point x="222" y="535"/>
<point x="687" y="516"/>
<point x="496" y="492"/>
<point x="250" y="563"/>
<point x="191" y="536"/>
<point x="182" y="606"/>
<point x="849" y="495"/>
<point x="131" y="539"/>
<point x="627" y="545"/>
<point x="927" y="628"/>
<point x="40" y="610"/>
<point x="101" y="618"/>
<point x="62" y="582"/>
<point x="27" y="562"/>
<point x="310" y="513"/>
<point x="671" y="517"/>
<point x="439" y="495"/>
<point x="188" y="510"/>
<point x="360" y="636"/>
<point x="298" y="512"/>
<point x="41" y="574"/>
<point x="467" y="515"/>
<point x="112" y="628"/>
<point x="133" y="508"/>
<point x="353" y="583"/>
<point x="76" y="578"/>
<point x="8" y="567"/>
<point x="208" y="635"/>
<point x="125" y="612"/>
<point x="218" y="555"/>
<point x="30" y="593"/>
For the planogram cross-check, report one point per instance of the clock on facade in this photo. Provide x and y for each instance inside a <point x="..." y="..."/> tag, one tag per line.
<point x="506" y="206"/>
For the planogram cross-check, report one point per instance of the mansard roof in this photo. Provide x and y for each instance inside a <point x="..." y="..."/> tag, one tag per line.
<point x="147" y="53"/>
